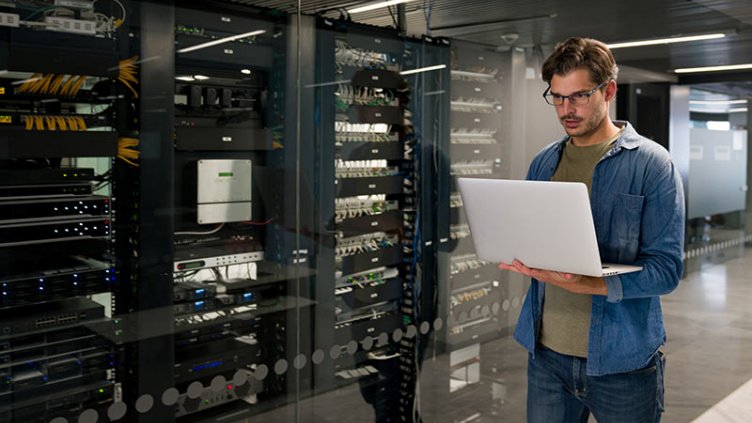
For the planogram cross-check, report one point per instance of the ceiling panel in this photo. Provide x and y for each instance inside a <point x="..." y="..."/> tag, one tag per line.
<point x="541" y="23"/>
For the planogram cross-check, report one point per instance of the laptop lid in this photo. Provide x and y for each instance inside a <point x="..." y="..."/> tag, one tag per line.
<point x="545" y="225"/>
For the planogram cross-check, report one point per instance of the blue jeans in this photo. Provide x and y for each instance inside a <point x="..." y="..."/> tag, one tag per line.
<point x="559" y="391"/>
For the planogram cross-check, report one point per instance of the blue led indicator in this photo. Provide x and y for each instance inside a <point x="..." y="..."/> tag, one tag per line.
<point x="200" y="291"/>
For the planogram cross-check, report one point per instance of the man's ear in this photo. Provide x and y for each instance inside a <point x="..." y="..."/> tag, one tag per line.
<point x="610" y="90"/>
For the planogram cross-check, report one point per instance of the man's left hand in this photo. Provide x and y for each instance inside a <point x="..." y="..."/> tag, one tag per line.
<point x="578" y="284"/>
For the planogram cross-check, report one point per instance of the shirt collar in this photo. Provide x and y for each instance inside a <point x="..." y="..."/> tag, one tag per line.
<point x="629" y="138"/>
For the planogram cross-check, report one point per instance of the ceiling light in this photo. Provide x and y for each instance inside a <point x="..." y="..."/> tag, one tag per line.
<point x="714" y="68"/>
<point x="374" y="6"/>
<point x="669" y="40"/>
<point x="201" y="77"/>
<point x="185" y="78"/>
<point x="739" y="110"/>
<point x="419" y="70"/>
<point x="717" y="102"/>
<point x="245" y="71"/>
<point x="221" y="41"/>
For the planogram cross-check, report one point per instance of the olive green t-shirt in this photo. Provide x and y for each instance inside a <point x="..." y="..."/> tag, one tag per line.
<point x="566" y="316"/>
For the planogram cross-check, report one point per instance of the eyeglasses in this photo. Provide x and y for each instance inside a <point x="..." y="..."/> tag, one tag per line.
<point x="576" y="99"/>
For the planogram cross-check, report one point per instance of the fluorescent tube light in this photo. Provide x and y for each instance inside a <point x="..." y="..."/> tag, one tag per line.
<point x="738" y="110"/>
<point x="714" y="68"/>
<point x="717" y="102"/>
<point x="221" y="41"/>
<point x="670" y="40"/>
<point x="419" y="70"/>
<point x="374" y="6"/>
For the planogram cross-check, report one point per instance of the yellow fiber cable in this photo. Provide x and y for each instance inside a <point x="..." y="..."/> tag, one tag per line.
<point x="51" y="122"/>
<point x="81" y="123"/>
<point x="127" y="74"/>
<point x="38" y="85"/>
<point x="26" y="85"/>
<point x="39" y="123"/>
<point x="61" y="123"/>
<point x="125" y="153"/>
<point x="67" y="86"/>
<point x="72" y="124"/>
<point x="29" y="122"/>
<point x="55" y="86"/>
<point x="77" y="86"/>
<point x="45" y="85"/>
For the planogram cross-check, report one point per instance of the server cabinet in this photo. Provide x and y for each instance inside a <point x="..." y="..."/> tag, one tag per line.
<point x="62" y="140"/>
<point x="473" y="294"/>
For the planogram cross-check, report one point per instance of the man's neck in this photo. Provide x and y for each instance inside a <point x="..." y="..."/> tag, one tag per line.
<point x="606" y="130"/>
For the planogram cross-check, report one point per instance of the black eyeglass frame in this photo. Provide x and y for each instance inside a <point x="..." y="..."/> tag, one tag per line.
<point x="583" y="95"/>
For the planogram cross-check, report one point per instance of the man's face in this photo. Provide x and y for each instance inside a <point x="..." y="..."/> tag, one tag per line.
<point x="581" y="120"/>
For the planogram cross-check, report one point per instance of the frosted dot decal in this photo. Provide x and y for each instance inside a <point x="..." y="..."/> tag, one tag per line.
<point x="281" y="366"/>
<point x="383" y="339"/>
<point x="352" y="347"/>
<point x="144" y="403"/>
<point x="261" y="372"/>
<point x="299" y="362"/>
<point x="438" y="323"/>
<point x="411" y="331"/>
<point x="317" y="357"/>
<point x="425" y="327"/>
<point x="88" y="416"/>
<point x="195" y="389"/>
<point x="117" y="411"/>
<point x="218" y="383"/>
<point x="240" y="377"/>
<point x="170" y="397"/>
<point x="367" y="343"/>
<point x="397" y="335"/>
<point x="335" y="351"/>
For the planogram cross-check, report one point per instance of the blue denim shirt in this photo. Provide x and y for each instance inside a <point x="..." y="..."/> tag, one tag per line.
<point x="637" y="202"/>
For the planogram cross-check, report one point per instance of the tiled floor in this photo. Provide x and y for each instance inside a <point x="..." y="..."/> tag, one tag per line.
<point x="709" y="355"/>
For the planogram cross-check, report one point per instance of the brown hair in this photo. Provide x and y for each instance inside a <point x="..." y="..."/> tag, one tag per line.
<point x="581" y="53"/>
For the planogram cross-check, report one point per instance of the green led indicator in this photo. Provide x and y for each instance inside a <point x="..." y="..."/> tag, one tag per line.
<point x="101" y="391"/>
<point x="225" y="174"/>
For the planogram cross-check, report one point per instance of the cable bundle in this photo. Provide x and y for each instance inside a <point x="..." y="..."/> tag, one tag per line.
<point x="127" y="73"/>
<point x="53" y="123"/>
<point x="52" y="84"/>
<point x="127" y="151"/>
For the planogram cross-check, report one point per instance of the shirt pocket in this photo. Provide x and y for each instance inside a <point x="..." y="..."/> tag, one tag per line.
<point x="627" y="222"/>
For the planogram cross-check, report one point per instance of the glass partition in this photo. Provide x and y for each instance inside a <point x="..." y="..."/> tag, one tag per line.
<point x="230" y="211"/>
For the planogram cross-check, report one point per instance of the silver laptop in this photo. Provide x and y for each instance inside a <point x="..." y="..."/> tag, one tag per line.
<point x="545" y="225"/>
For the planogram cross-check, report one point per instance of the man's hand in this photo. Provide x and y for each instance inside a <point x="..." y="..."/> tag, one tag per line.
<point x="578" y="284"/>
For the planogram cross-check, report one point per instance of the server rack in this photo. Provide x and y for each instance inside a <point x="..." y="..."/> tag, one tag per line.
<point x="375" y="195"/>
<point x="61" y="92"/>
<point x="474" y="295"/>
<point x="237" y="296"/>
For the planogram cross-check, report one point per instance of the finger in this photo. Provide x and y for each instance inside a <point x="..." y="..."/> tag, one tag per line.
<point x="521" y="266"/>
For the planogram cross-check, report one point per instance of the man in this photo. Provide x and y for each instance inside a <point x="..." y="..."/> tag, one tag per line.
<point x="593" y="342"/>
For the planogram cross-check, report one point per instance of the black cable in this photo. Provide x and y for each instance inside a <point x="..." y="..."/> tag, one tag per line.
<point x="394" y="19"/>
